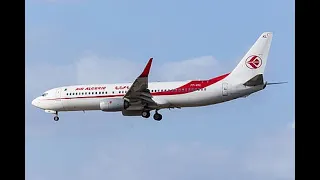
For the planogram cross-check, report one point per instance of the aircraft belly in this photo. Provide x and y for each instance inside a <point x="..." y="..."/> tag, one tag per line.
<point x="81" y="104"/>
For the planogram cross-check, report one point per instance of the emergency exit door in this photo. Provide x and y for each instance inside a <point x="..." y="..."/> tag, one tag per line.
<point x="224" y="89"/>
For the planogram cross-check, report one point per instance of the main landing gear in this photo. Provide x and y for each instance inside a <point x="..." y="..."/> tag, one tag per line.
<point x="156" y="116"/>
<point x="145" y="114"/>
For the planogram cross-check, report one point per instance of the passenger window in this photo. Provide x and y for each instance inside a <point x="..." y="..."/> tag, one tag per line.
<point x="99" y="92"/>
<point x="96" y="92"/>
<point x="106" y="92"/>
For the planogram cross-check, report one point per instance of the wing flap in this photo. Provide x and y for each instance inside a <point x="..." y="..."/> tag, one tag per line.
<point x="147" y="99"/>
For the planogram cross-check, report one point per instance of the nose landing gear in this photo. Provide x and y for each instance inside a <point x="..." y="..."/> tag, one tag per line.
<point x="56" y="117"/>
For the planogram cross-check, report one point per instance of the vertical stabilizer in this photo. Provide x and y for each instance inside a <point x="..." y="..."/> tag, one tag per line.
<point x="255" y="60"/>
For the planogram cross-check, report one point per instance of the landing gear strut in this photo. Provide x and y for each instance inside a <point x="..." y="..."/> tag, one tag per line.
<point x="157" y="116"/>
<point x="145" y="114"/>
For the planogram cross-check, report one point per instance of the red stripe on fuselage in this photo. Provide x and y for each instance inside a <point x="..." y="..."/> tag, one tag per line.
<point x="187" y="88"/>
<point x="191" y="86"/>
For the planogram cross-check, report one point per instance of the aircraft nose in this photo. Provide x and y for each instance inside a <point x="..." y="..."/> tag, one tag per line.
<point x="35" y="102"/>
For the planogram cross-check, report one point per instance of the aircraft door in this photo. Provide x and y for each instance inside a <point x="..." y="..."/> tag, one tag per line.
<point x="224" y="89"/>
<point x="58" y="98"/>
<point x="58" y="94"/>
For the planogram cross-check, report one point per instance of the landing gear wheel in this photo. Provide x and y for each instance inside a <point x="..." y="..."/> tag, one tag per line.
<point x="157" y="116"/>
<point x="56" y="118"/>
<point x="145" y="114"/>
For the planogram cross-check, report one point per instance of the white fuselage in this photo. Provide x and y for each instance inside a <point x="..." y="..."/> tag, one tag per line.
<point x="166" y="94"/>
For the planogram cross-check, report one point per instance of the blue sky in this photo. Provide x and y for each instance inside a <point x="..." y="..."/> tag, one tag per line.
<point x="106" y="41"/>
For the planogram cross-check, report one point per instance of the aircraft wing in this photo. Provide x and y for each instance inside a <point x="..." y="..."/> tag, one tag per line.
<point x="139" y="92"/>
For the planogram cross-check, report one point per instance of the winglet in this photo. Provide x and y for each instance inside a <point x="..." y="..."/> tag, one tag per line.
<point x="146" y="70"/>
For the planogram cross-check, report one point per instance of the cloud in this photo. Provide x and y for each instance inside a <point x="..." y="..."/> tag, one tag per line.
<point x="92" y="69"/>
<point x="44" y="76"/>
<point x="196" y="68"/>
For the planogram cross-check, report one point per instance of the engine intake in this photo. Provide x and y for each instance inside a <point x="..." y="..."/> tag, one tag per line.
<point x="114" y="104"/>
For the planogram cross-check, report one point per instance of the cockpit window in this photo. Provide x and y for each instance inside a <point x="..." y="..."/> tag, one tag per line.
<point x="44" y="94"/>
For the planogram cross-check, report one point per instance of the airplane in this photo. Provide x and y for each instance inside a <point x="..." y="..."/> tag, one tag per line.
<point x="141" y="97"/>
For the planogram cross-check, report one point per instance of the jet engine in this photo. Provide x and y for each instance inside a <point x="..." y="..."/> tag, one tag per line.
<point x="114" y="104"/>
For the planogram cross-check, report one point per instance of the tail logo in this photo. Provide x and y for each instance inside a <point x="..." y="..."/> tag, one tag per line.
<point x="253" y="62"/>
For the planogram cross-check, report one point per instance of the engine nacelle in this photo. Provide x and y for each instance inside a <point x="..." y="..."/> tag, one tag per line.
<point x="114" y="104"/>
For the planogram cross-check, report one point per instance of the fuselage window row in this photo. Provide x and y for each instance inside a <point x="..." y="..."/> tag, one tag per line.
<point x="123" y="92"/>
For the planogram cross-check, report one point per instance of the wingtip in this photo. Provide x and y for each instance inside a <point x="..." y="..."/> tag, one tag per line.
<point x="146" y="70"/>
<point x="150" y="60"/>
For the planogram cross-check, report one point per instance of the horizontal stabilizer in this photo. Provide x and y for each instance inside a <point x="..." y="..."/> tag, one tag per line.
<point x="276" y="83"/>
<point x="273" y="83"/>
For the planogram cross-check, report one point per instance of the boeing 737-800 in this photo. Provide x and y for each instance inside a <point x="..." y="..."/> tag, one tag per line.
<point x="141" y="97"/>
